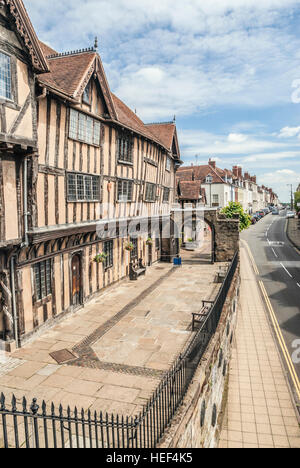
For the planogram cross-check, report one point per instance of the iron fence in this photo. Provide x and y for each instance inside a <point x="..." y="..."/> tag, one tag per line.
<point x="47" y="427"/>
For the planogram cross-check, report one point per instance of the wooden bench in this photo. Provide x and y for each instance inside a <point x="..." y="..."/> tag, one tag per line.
<point x="221" y="275"/>
<point x="136" y="269"/>
<point x="199" y="318"/>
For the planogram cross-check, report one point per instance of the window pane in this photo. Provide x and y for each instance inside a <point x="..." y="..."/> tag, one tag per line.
<point x="43" y="279"/>
<point x="80" y="188"/>
<point x="72" y="196"/>
<point x="82" y="127"/>
<point x="37" y="279"/>
<point x="73" y="131"/>
<point x="5" y="76"/>
<point x="96" y="133"/>
<point x="88" y="188"/>
<point x="89" y="130"/>
<point x="48" y="277"/>
<point x="96" y="188"/>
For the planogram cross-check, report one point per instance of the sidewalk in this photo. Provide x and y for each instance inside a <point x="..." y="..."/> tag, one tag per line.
<point x="123" y="343"/>
<point x="260" y="412"/>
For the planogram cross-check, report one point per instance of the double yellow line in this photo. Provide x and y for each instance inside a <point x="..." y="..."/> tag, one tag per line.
<point x="276" y="326"/>
<point x="282" y="344"/>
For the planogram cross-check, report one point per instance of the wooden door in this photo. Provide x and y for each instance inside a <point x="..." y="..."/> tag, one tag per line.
<point x="76" y="280"/>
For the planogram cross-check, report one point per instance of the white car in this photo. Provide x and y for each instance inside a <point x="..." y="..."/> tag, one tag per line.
<point x="290" y="214"/>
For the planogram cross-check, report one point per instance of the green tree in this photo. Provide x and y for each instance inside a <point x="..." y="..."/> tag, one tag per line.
<point x="297" y="200"/>
<point x="236" y="208"/>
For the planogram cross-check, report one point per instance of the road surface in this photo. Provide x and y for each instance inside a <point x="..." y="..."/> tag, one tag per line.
<point x="278" y="266"/>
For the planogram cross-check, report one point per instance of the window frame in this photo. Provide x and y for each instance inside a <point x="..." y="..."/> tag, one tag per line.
<point x="87" y="185"/>
<point x="84" y="128"/>
<point x="108" y="249"/>
<point x="168" y="164"/>
<point x="134" y="254"/>
<point x="129" y="184"/>
<point x="124" y="143"/>
<point x="89" y="88"/>
<point x="10" y="78"/>
<point x="168" y="191"/>
<point x="43" y="290"/>
<point x="154" y="189"/>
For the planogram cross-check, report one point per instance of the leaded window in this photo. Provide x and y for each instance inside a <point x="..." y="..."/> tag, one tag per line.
<point x="42" y="279"/>
<point x="109" y="252"/>
<point x="125" y="147"/>
<point x="84" y="128"/>
<point x="87" y="94"/>
<point x="82" y="187"/>
<point x="168" y="164"/>
<point x="125" y="190"/>
<point x="166" y="195"/>
<point x="150" y="192"/>
<point x="5" y="76"/>
<point x="135" y="251"/>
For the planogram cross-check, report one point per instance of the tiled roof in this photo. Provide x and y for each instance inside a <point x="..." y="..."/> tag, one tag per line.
<point x="66" y="75"/>
<point x="128" y="118"/>
<point x="185" y="175"/>
<point x="190" y="190"/>
<point x="46" y="49"/>
<point x="201" y="172"/>
<point x="67" y="72"/>
<point x="164" y="132"/>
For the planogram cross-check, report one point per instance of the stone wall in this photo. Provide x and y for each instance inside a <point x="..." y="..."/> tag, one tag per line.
<point x="227" y="235"/>
<point x="198" y="422"/>
<point x="293" y="232"/>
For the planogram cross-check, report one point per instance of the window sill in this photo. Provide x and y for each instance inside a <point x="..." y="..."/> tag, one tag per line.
<point x="83" y="201"/>
<point x="126" y="163"/>
<point x="41" y="302"/>
<point x="84" y="142"/>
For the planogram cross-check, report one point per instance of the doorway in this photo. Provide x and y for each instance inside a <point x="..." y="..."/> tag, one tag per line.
<point x="76" y="280"/>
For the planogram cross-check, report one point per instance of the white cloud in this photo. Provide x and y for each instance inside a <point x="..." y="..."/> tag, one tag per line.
<point x="288" y="132"/>
<point x="176" y="57"/>
<point x="237" y="138"/>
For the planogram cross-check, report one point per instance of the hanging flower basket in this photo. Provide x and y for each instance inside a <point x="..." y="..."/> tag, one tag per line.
<point x="149" y="241"/>
<point x="100" y="258"/>
<point x="129" y="247"/>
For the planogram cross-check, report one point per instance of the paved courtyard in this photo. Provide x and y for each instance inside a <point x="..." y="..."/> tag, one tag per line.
<point x="123" y="342"/>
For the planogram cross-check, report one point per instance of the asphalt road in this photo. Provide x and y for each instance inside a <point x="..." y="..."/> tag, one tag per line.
<point x="279" y="268"/>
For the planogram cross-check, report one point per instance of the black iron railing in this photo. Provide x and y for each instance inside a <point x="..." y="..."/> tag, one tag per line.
<point x="48" y="427"/>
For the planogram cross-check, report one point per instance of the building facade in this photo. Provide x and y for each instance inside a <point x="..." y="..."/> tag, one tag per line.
<point x="80" y="176"/>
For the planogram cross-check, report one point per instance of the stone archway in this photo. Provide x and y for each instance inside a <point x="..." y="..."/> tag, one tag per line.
<point x="225" y="235"/>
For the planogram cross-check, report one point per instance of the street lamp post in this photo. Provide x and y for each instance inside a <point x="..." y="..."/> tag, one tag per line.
<point x="292" y="198"/>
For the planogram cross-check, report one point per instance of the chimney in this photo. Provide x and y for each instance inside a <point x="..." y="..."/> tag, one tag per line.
<point x="247" y="176"/>
<point x="212" y="164"/>
<point x="240" y="172"/>
<point x="253" y="179"/>
<point x="235" y="170"/>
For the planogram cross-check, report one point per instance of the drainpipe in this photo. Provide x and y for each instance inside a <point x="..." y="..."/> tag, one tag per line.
<point x="14" y="302"/>
<point x="25" y="203"/>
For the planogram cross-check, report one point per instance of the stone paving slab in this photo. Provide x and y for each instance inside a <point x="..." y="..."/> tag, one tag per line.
<point x="260" y="412"/>
<point x="143" y="327"/>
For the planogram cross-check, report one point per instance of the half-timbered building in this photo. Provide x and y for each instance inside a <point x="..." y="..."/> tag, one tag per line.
<point x="77" y="167"/>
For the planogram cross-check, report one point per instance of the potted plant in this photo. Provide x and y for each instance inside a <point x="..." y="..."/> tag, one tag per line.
<point x="129" y="247"/>
<point x="149" y="241"/>
<point x="100" y="258"/>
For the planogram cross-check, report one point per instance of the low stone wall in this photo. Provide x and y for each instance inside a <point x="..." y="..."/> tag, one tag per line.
<point x="293" y="232"/>
<point x="198" y="421"/>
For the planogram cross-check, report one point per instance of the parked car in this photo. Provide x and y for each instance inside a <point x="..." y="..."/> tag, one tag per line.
<point x="262" y="213"/>
<point x="290" y="214"/>
<point x="275" y="212"/>
<point x="254" y="219"/>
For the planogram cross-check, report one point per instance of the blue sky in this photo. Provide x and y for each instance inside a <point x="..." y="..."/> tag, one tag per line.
<point x="228" y="69"/>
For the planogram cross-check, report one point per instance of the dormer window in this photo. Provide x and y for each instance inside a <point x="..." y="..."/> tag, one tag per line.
<point x="87" y="94"/>
<point x="5" y="76"/>
<point x="209" y="179"/>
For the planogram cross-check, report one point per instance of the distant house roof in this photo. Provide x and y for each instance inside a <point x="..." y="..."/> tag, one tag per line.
<point x="201" y="172"/>
<point x="190" y="190"/>
<point x="187" y="174"/>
